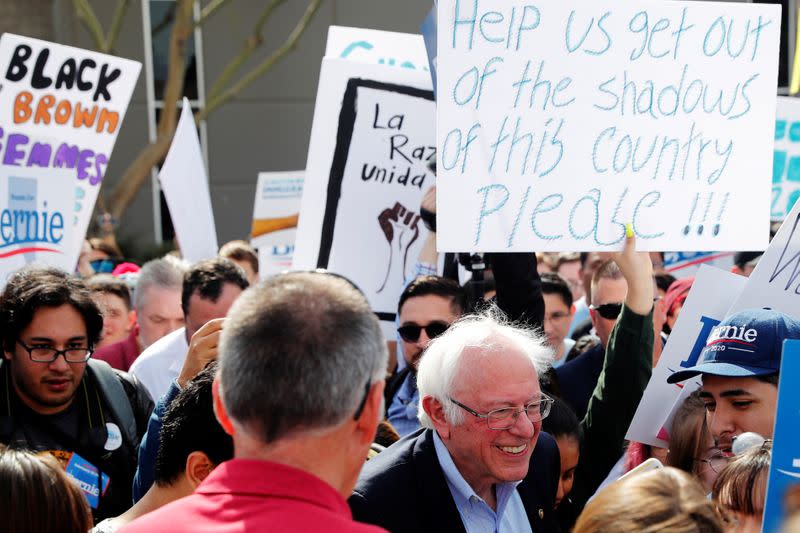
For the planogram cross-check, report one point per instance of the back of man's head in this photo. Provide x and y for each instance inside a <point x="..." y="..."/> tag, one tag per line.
<point x="208" y="278"/>
<point x="437" y="286"/>
<point x="241" y="253"/>
<point x="34" y="287"/>
<point x="163" y="273"/>
<point x="188" y="426"/>
<point x="297" y="354"/>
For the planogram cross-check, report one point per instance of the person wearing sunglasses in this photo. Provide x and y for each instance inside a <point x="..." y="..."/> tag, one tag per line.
<point x="427" y="307"/>
<point x="481" y="462"/>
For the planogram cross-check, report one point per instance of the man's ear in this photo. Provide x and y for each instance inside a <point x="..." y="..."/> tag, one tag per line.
<point x="372" y="413"/>
<point x="435" y="411"/>
<point x="132" y="319"/>
<point x="198" y="467"/>
<point x="219" y="407"/>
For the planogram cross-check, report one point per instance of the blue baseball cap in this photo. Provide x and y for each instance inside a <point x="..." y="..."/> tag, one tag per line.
<point x="746" y="344"/>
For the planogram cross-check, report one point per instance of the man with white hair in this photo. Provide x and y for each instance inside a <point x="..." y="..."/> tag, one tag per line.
<point x="482" y="462"/>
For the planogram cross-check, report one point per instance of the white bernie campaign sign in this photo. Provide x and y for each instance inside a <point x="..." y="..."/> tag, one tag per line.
<point x="185" y="185"/>
<point x="393" y="49"/>
<point x="371" y="143"/>
<point x="62" y="107"/>
<point x="36" y="209"/>
<point x="712" y="293"/>
<point x="559" y="122"/>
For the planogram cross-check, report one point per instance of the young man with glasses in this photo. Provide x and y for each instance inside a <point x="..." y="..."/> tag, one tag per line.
<point x="558" y="313"/>
<point x="54" y="398"/>
<point x="482" y="462"/>
<point x="427" y="307"/>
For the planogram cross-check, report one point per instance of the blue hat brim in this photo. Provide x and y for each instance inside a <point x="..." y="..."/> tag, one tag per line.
<point x="729" y="370"/>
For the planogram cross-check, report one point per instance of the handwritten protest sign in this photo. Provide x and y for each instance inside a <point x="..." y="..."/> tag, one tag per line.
<point x="786" y="167"/>
<point x="711" y="295"/>
<point x="371" y="143"/>
<point x="394" y="49"/>
<point x="185" y="185"/>
<point x="275" y="214"/>
<point x="784" y="471"/>
<point x="558" y="122"/>
<point x="62" y="107"/>
<point x="775" y="282"/>
<point x="36" y="207"/>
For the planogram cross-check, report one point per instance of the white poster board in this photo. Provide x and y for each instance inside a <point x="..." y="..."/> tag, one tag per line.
<point x="786" y="168"/>
<point x="394" y="49"/>
<point x="275" y="215"/>
<point x="185" y="185"/>
<point x="371" y="143"/>
<point x="62" y="107"/>
<point x="558" y="122"/>
<point x="712" y="292"/>
<point x="36" y="210"/>
<point x="775" y="281"/>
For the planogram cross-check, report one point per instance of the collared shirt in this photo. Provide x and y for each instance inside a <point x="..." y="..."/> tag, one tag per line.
<point x="403" y="412"/>
<point x="160" y="364"/>
<point x="476" y="514"/>
<point x="251" y="495"/>
<point x="122" y="354"/>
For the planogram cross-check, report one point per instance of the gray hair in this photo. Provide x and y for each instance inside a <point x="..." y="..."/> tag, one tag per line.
<point x="164" y="273"/>
<point x="491" y="332"/>
<point x="297" y="354"/>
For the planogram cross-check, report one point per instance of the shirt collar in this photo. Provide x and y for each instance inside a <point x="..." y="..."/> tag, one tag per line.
<point x="461" y="491"/>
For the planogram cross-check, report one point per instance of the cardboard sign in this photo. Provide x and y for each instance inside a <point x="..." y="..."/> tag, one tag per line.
<point x="711" y="295"/>
<point x="405" y="50"/>
<point x="559" y="122"/>
<point x="786" y="167"/>
<point x="185" y="185"/>
<point x="275" y="216"/>
<point x="36" y="208"/>
<point x="371" y="143"/>
<point x="62" y="107"/>
<point x="784" y="470"/>
<point x="775" y="281"/>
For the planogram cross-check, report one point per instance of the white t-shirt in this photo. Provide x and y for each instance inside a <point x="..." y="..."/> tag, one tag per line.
<point x="159" y="365"/>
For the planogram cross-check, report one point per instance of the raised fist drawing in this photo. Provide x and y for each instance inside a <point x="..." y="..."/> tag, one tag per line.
<point x="401" y="229"/>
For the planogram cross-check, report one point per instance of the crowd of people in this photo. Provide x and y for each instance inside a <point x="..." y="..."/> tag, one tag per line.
<point x="192" y="397"/>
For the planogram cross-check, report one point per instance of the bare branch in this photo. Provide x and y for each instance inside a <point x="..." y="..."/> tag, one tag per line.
<point x="116" y="25"/>
<point x="250" y="45"/>
<point x="208" y="11"/>
<point x="267" y="64"/>
<point x="90" y="22"/>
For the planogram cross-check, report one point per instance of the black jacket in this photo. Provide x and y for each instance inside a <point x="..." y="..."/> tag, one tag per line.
<point x="403" y="489"/>
<point x="112" y="396"/>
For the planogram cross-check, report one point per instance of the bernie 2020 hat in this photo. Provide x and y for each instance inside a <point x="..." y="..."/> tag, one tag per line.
<point x="746" y="344"/>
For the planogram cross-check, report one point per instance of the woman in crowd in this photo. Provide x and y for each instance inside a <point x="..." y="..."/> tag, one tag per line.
<point x="741" y="488"/>
<point x="691" y="447"/>
<point x="666" y="499"/>
<point x="36" y="496"/>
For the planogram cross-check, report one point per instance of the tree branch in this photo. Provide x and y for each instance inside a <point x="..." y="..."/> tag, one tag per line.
<point x="116" y="25"/>
<point x="267" y="64"/>
<point x="90" y="22"/>
<point x="208" y="11"/>
<point x="250" y="45"/>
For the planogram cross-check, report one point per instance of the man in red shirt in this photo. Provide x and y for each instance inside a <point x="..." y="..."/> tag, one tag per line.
<point x="299" y="389"/>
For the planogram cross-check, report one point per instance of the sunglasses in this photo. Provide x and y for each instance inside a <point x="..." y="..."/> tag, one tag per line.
<point x="607" y="311"/>
<point x="411" y="332"/>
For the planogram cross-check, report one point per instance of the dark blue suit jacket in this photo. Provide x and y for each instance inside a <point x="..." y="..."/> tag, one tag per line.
<point x="403" y="489"/>
<point x="578" y="378"/>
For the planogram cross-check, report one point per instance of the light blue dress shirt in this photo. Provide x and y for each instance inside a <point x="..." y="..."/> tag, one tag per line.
<point x="476" y="514"/>
<point x="402" y="413"/>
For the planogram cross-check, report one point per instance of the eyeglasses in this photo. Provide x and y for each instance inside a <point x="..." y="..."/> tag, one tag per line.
<point x="48" y="355"/>
<point x="103" y="266"/>
<point x="363" y="401"/>
<point x="411" y="332"/>
<point x="716" y="462"/>
<point x="506" y="417"/>
<point x="607" y="311"/>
